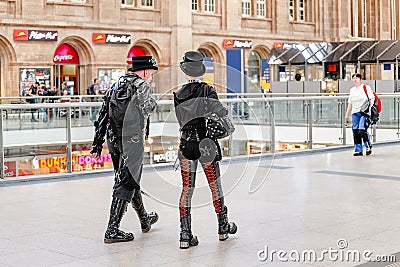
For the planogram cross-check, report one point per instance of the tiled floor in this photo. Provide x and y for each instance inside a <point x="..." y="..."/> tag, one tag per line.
<point x="304" y="202"/>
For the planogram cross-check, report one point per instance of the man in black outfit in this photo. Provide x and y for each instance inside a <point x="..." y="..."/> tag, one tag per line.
<point x="191" y="104"/>
<point x="123" y="116"/>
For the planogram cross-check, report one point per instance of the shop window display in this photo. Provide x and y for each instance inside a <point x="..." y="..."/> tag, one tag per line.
<point x="28" y="76"/>
<point x="51" y="159"/>
<point x="107" y="77"/>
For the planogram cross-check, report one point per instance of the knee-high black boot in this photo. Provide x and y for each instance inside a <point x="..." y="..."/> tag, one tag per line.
<point x="188" y="172"/>
<point x="146" y="219"/>
<point x="187" y="239"/>
<point x="113" y="234"/>
<point x="224" y="227"/>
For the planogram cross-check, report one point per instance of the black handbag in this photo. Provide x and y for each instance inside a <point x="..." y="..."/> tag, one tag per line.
<point x="217" y="126"/>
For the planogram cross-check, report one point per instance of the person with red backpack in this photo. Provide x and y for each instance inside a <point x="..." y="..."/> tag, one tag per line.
<point x="360" y="104"/>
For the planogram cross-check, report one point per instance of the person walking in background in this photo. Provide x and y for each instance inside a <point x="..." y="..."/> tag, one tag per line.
<point x="34" y="93"/>
<point x="196" y="147"/>
<point x="360" y="121"/>
<point x="123" y="116"/>
<point x="64" y="87"/>
<point x="94" y="90"/>
<point x="105" y="84"/>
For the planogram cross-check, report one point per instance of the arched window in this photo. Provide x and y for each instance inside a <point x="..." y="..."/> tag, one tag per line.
<point x="254" y="66"/>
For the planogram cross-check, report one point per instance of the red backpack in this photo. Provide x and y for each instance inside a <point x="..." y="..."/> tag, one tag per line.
<point x="378" y="102"/>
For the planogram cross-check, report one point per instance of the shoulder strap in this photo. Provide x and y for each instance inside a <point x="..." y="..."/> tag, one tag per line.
<point x="365" y="90"/>
<point x="205" y="89"/>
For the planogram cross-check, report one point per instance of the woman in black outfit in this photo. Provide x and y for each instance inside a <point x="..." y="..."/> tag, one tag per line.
<point x="191" y="104"/>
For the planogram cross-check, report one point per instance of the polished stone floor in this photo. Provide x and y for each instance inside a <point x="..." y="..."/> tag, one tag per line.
<point x="331" y="204"/>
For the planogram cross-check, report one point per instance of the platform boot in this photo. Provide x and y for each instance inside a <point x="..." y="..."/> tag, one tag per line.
<point x="224" y="227"/>
<point x="113" y="234"/>
<point x="187" y="239"/>
<point x="146" y="219"/>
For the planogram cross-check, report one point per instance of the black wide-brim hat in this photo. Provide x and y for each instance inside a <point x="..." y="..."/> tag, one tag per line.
<point x="192" y="64"/>
<point x="143" y="63"/>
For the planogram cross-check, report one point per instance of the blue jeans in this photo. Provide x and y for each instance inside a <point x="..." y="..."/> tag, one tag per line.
<point x="45" y="117"/>
<point x="360" y="131"/>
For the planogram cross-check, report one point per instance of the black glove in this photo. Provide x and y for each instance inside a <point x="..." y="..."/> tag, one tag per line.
<point x="97" y="150"/>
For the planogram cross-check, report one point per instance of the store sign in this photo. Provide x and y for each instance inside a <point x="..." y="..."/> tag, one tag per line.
<point x="109" y="38"/>
<point x="232" y="44"/>
<point x="285" y="45"/>
<point x="81" y="160"/>
<point x="332" y="67"/>
<point x="10" y="169"/>
<point x="265" y="75"/>
<point x="135" y="51"/>
<point x="278" y="45"/>
<point x="34" y="35"/>
<point x="169" y="156"/>
<point x="265" y="70"/>
<point x="90" y="160"/>
<point x="65" y="54"/>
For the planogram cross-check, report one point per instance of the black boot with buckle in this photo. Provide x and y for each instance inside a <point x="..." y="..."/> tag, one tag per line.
<point x="113" y="234"/>
<point x="187" y="239"/>
<point x="146" y="219"/>
<point x="224" y="227"/>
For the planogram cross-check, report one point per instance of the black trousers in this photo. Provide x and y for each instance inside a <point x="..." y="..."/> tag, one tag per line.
<point x="124" y="183"/>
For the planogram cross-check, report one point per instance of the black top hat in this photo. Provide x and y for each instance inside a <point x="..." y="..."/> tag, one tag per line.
<point x="192" y="64"/>
<point x="143" y="63"/>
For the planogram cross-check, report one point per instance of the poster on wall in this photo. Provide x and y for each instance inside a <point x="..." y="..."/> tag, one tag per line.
<point x="28" y="76"/>
<point x="265" y="76"/>
<point x="107" y="77"/>
<point x="43" y="77"/>
<point x="26" y="80"/>
<point x="209" y="75"/>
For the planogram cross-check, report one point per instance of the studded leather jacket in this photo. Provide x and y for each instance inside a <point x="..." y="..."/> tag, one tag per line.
<point x="192" y="102"/>
<point x="144" y="105"/>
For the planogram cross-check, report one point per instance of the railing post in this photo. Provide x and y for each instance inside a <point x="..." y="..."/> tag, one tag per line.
<point x="69" y="140"/>
<point x="1" y="146"/>
<point x="310" y="124"/>
<point x="398" y="117"/>
<point x="230" y="142"/>
<point x="342" y="114"/>
<point x="273" y="137"/>
<point x="374" y="133"/>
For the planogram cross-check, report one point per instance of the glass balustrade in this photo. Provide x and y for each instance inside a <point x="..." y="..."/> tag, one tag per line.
<point x="54" y="138"/>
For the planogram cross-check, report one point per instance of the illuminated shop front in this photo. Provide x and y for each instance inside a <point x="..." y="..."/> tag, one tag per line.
<point x="66" y="69"/>
<point x="52" y="158"/>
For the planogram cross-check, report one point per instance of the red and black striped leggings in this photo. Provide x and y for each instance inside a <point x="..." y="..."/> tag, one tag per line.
<point x="188" y="172"/>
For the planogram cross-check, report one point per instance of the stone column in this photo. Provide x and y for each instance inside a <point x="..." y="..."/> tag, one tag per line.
<point x="181" y="25"/>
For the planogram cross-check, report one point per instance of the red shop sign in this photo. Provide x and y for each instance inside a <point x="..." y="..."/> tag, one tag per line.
<point x="110" y="38"/>
<point x="65" y="54"/>
<point x="10" y="169"/>
<point x="35" y="35"/>
<point x="134" y="52"/>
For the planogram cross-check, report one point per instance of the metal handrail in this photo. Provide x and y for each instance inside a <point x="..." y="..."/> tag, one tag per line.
<point x="310" y="100"/>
